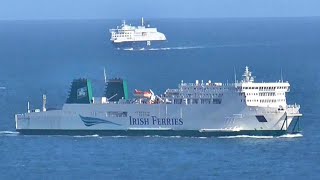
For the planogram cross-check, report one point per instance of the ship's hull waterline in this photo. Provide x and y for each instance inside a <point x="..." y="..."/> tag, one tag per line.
<point x="171" y="133"/>
<point x="138" y="45"/>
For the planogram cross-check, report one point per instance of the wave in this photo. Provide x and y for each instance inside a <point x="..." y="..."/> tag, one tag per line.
<point x="151" y="136"/>
<point x="162" y="48"/>
<point x="298" y="135"/>
<point x="126" y="49"/>
<point x="246" y="136"/>
<point x="159" y="49"/>
<point x="8" y="133"/>
<point x="119" y="136"/>
<point x="94" y="135"/>
<point x="235" y="45"/>
<point x="202" y="137"/>
<point x="157" y="136"/>
<point x="222" y="137"/>
<point x="231" y="45"/>
<point x="264" y="137"/>
<point x="172" y="136"/>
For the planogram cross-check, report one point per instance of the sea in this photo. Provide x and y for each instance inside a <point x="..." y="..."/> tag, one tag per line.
<point x="44" y="56"/>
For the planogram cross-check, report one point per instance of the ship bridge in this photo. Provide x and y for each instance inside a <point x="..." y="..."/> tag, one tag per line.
<point x="262" y="94"/>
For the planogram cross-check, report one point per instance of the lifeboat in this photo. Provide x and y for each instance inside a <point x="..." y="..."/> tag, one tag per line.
<point x="142" y="94"/>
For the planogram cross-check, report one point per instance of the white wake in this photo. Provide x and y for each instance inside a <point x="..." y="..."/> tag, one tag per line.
<point x="8" y="133"/>
<point x="246" y="136"/>
<point x="298" y="135"/>
<point x="161" y="48"/>
<point x="263" y="137"/>
<point x="86" y="136"/>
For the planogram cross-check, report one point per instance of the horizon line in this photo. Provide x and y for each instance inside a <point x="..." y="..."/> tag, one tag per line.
<point x="226" y="17"/>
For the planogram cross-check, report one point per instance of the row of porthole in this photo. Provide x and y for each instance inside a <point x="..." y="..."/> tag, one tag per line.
<point x="264" y="100"/>
<point x="280" y="87"/>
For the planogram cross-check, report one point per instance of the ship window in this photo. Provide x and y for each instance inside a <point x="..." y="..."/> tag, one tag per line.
<point x="195" y="101"/>
<point x="216" y="101"/>
<point x="177" y="101"/>
<point x="261" y="118"/>
<point x="142" y="113"/>
<point x="116" y="114"/>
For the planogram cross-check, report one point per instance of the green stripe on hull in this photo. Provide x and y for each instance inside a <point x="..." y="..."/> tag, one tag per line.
<point x="90" y="93"/>
<point x="184" y="133"/>
<point x="125" y="90"/>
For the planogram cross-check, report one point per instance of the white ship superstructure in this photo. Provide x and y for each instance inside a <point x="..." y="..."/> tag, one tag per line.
<point x="127" y="33"/>
<point x="192" y="109"/>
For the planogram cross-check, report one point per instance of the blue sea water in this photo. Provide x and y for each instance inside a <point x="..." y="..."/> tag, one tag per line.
<point x="39" y="57"/>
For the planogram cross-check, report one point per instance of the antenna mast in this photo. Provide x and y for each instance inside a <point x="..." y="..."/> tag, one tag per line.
<point x="104" y="75"/>
<point x="28" y="106"/>
<point x="142" y="21"/>
<point x="235" y="75"/>
<point x="44" y="102"/>
<point x="281" y="75"/>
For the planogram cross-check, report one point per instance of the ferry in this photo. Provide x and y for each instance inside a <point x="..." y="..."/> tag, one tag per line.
<point x="128" y="36"/>
<point x="199" y="109"/>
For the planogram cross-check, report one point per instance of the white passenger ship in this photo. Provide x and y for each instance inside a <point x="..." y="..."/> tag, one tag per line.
<point x="193" y="109"/>
<point x="135" y="36"/>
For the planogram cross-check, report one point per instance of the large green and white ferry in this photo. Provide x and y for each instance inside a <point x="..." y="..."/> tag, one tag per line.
<point x="202" y="108"/>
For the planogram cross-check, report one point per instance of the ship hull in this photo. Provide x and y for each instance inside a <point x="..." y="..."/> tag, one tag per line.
<point x="173" y="133"/>
<point x="156" y="119"/>
<point x="137" y="45"/>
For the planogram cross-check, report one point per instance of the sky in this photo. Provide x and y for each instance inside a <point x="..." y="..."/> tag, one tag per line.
<point x="126" y="9"/>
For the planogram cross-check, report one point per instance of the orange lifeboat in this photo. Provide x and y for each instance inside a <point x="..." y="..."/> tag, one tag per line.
<point x="142" y="94"/>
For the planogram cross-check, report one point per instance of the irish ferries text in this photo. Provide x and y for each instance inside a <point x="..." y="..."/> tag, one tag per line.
<point x="155" y="121"/>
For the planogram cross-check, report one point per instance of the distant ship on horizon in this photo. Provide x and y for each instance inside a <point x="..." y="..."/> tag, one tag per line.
<point x="135" y="36"/>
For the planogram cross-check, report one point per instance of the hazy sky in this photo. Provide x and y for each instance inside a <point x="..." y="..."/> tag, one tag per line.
<point x="119" y="9"/>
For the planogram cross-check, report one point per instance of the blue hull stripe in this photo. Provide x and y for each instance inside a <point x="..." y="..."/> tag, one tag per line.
<point x="90" y="121"/>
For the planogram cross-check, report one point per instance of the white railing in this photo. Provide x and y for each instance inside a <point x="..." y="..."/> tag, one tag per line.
<point x="293" y="109"/>
<point x="293" y="106"/>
